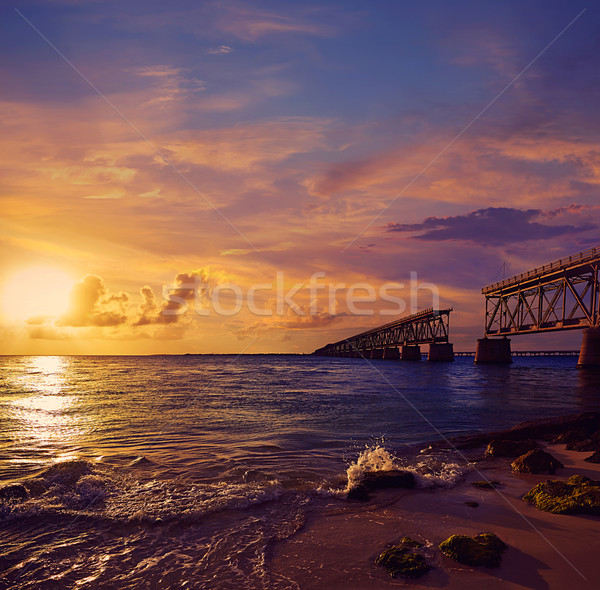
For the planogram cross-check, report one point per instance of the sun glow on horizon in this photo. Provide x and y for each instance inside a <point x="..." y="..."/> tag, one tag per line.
<point x="35" y="292"/>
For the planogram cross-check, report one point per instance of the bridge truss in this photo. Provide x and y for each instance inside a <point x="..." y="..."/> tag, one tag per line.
<point x="425" y="327"/>
<point x="561" y="295"/>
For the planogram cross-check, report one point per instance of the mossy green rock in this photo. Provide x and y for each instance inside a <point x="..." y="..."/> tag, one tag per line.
<point x="577" y="495"/>
<point x="484" y="549"/>
<point x="408" y="542"/>
<point x="401" y="561"/>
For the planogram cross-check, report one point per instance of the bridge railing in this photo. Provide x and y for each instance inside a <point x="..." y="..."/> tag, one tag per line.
<point x="406" y="320"/>
<point x="562" y="263"/>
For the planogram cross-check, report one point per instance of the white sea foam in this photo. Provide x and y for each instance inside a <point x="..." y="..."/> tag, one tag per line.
<point x="431" y="473"/>
<point x="81" y="488"/>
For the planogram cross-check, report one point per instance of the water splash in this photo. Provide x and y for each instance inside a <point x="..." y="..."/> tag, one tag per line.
<point x="372" y="459"/>
<point x="430" y="471"/>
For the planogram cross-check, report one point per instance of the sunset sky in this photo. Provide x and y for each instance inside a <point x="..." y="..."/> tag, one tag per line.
<point x="152" y="144"/>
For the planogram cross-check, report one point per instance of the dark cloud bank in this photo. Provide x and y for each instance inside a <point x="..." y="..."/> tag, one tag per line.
<point x="494" y="226"/>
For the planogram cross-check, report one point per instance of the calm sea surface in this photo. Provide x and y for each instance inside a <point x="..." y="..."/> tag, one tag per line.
<point x="186" y="471"/>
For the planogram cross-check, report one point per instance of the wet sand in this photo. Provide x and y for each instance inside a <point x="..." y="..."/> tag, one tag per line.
<point x="546" y="551"/>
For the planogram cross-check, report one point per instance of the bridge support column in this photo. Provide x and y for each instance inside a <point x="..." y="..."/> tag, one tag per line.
<point x="377" y="353"/>
<point x="391" y="353"/>
<point x="441" y="351"/>
<point x="493" y="350"/>
<point x="589" y="355"/>
<point x="411" y="352"/>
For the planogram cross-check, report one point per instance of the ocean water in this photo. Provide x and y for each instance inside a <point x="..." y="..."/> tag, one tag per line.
<point x="188" y="471"/>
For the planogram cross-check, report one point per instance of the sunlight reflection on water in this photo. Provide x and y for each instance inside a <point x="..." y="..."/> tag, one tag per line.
<point x="45" y="415"/>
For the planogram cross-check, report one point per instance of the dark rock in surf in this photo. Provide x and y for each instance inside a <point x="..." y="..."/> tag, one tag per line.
<point x="594" y="458"/>
<point x="509" y="448"/>
<point x="543" y="429"/>
<point x="13" y="492"/>
<point x="395" y="478"/>
<point x="486" y="485"/>
<point x="472" y="504"/>
<point x="549" y="428"/>
<point x="571" y="436"/>
<point x="536" y="461"/>
<point x="590" y="443"/>
<point x="379" y="480"/>
<point x="484" y="549"/>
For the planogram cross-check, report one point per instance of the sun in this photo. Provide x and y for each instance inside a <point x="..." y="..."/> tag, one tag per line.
<point x="36" y="292"/>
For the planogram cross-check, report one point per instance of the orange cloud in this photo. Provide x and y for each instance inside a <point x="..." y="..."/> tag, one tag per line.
<point x="92" y="305"/>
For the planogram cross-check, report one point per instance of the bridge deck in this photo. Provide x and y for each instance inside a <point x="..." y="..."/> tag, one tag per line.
<point x="420" y="315"/>
<point x="573" y="262"/>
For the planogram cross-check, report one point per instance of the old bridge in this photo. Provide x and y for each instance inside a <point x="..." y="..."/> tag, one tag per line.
<point x="400" y="339"/>
<point x="560" y="295"/>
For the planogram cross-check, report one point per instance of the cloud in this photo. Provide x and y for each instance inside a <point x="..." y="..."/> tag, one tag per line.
<point x="169" y="83"/>
<point x="251" y="25"/>
<point x="48" y="332"/>
<point x="221" y="50"/>
<point x="493" y="226"/>
<point x="92" y="305"/>
<point x="289" y="321"/>
<point x="118" y="195"/>
<point x="187" y="290"/>
<point x="247" y="147"/>
<point x="572" y="209"/>
<point x="149" y="310"/>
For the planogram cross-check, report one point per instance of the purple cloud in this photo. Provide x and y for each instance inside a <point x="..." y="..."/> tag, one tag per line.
<point x="493" y="226"/>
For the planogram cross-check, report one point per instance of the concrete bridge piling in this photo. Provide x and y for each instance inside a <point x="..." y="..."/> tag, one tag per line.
<point x="493" y="351"/>
<point x="441" y="352"/>
<point x="411" y="352"/>
<point x="589" y="354"/>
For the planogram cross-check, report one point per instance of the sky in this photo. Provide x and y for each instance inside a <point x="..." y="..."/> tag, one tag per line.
<point x="247" y="177"/>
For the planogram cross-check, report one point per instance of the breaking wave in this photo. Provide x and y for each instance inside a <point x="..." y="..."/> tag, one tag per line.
<point x="82" y="488"/>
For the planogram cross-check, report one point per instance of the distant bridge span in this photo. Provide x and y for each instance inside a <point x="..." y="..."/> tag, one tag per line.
<point x="399" y="339"/>
<point x="561" y="295"/>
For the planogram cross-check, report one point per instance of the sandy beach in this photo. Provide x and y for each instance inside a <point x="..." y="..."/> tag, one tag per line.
<point x="546" y="551"/>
